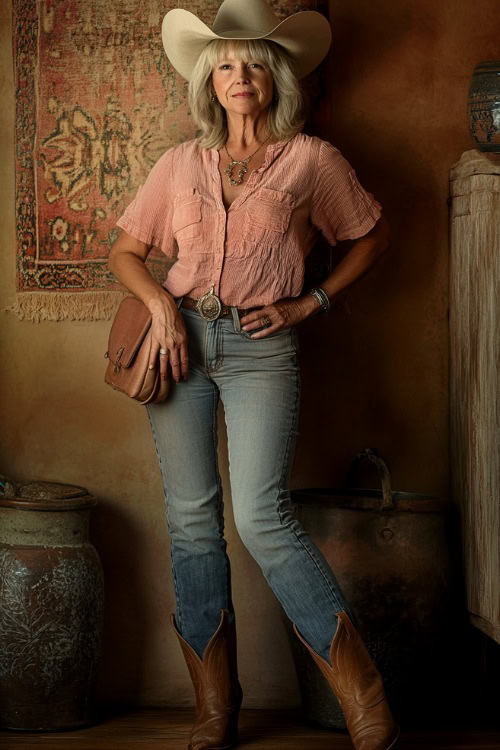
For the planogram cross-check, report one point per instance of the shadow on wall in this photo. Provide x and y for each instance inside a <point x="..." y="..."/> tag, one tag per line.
<point x="128" y="626"/>
<point x="375" y="372"/>
<point x="368" y="366"/>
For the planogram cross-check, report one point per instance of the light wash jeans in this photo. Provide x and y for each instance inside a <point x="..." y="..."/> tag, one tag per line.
<point x="258" y="382"/>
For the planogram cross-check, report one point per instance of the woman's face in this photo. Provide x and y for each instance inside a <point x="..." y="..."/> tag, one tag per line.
<point x="242" y="86"/>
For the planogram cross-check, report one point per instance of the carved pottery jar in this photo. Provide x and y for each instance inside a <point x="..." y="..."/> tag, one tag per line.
<point x="484" y="106"/>
<point x="51" y="607"/>
<point x="389" y="553"/>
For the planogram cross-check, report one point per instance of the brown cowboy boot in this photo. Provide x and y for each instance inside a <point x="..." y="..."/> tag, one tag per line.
<point x="358" y="686"/>
<point x="218" y="692"/>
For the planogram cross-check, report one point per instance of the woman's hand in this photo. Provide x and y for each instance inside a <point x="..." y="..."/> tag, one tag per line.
<point x="288" y="312"/>
<point x="169" y="338"/>
<point x="282" y="314"/>
<point x="127" y="262"/>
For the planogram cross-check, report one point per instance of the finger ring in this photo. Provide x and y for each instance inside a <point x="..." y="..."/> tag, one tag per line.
<point x="266" y="321"/>
<point x="163" y="351"/>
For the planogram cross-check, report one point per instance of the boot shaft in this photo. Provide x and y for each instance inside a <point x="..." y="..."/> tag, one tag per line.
<point x="358" y="685"/>
<point x="215" y="676"/>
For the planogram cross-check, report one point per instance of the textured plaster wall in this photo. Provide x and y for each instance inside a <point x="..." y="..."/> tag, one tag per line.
<point x="373" y="375"/>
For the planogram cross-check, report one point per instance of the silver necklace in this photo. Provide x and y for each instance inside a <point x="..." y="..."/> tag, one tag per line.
<point x="244" y="165"/>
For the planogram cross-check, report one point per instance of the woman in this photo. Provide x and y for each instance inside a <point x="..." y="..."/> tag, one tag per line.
<point x="244" y="204"/>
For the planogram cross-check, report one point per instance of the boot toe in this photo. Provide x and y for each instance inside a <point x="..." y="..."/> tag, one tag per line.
<point x="381" y="740"/>
<point x="209" y="743"/>
<point x="214" y="735"/>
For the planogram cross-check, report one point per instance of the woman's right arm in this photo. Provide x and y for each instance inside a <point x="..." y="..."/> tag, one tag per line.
<point x="127" y="262"/>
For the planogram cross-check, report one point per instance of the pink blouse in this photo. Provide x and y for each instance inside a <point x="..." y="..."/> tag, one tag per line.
<point x="252" y="254"/>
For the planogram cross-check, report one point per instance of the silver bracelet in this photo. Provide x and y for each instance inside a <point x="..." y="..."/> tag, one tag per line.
<point x="322" y="297"/>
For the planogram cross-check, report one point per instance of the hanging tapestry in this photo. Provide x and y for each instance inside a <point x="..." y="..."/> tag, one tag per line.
<point x="97" y="103"/>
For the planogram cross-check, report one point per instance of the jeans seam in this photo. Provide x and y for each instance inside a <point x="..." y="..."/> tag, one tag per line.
<point x="219" y="354"/>
<point x="220" y="347"/>
<point x="219" y="496"/>
<point x="206" y="350"/>
<point x="300" y="542"/>
<point x="214" y="458"/>
<point x="178" y="612"/>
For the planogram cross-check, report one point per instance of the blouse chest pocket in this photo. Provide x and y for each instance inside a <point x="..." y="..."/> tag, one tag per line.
<point x="268" y="214"/>
<point x="186" y="219"/>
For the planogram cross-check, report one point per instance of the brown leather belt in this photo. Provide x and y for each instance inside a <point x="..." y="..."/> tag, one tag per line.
<point x="190" y="304"/>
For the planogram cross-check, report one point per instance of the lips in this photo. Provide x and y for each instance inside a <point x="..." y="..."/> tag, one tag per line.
<point x="244" y="93"/>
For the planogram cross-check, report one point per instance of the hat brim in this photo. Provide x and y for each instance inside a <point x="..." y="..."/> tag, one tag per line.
<point x="306" y="36"/>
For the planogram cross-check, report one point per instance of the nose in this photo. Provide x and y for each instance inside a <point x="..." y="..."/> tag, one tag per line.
<point x="242" y="73"/>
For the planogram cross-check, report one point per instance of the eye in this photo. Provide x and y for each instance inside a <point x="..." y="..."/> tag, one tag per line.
<point x="224" y="66"/>
<point x="257" y="65"/>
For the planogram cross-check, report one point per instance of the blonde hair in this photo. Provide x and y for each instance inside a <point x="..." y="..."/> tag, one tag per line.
<point x="285" y="111"/>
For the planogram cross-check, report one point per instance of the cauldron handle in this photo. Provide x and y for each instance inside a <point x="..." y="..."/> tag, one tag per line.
<point x="383" y="471"/>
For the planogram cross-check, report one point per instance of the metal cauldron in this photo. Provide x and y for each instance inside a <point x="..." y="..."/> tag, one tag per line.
<point x="389" y="552"/>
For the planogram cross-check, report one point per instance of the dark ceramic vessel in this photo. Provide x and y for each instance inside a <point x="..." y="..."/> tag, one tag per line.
<point x="484" y="106"/>
<point x="51" y="607"/>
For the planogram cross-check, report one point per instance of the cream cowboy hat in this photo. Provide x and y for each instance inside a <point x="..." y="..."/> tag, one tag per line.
<point x="305" y="35"/>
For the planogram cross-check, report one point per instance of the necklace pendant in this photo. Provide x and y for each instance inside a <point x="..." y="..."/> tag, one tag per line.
<point x="243" y="162"/>
<point x="241" y="172"/>
<point x="209" y="306"/>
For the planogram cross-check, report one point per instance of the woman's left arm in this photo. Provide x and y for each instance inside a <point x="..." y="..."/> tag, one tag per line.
<point x="289" y="312"/>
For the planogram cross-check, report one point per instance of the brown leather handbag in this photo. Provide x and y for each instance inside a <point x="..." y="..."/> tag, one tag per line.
<point x="128" y="352"/>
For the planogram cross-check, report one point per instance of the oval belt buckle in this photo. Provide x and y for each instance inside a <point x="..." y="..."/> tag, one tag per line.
<point x="209" y="306"/>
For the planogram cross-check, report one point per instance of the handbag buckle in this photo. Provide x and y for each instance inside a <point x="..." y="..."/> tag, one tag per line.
<point x="117" y="364"/>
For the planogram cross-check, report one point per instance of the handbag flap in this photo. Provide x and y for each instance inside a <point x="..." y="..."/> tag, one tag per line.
<point x="131" y="324"/>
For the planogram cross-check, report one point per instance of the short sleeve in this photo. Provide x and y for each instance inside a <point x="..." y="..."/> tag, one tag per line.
<point x="149" y="217"/>
<point x="341" y="208"/>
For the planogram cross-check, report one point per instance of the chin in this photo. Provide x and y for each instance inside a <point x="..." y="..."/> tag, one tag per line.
<point x="252" y="105"/>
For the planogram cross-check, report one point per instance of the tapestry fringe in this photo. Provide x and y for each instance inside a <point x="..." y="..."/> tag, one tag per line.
<point x="58" y="306"/>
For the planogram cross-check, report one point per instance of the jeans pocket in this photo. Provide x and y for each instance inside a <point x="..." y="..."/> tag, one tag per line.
<point x="275" y="335"/>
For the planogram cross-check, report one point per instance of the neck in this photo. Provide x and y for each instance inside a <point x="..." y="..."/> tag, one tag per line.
<point x="246" y="132"/>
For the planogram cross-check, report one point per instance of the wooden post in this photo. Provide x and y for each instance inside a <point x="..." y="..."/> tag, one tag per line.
<point x="474" y="379"/>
